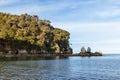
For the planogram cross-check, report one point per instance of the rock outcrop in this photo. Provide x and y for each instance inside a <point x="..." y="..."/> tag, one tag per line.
<point x="89" y="53"/>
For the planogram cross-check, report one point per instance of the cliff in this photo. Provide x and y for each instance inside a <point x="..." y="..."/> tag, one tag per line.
<point x="29" y="34"/>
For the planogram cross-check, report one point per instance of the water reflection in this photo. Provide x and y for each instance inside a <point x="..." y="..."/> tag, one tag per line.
<point x="32" y="68"/>
<point x="31" y="58"/>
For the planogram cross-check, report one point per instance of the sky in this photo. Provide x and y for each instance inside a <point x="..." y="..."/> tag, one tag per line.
<point x="91" y="23"/>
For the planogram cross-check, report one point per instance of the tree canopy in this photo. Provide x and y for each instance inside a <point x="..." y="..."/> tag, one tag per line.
<point x="29" y="32"/>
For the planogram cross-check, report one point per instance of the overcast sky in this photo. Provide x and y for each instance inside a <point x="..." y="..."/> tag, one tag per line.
<point x="93" y="23"/>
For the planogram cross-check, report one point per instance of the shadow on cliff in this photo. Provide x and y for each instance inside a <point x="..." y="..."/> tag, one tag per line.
<point x="18" y="46"/>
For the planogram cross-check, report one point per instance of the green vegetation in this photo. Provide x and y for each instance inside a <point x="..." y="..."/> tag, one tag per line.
<point x="26" y="32"/>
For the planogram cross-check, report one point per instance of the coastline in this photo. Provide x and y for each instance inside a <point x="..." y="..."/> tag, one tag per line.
<point x="52" y="55"/>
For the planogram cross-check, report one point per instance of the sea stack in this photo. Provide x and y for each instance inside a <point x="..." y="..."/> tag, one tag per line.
<point x="88" y="52"/>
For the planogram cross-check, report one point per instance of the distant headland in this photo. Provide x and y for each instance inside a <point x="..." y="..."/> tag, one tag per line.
<point x="28" y="35"/>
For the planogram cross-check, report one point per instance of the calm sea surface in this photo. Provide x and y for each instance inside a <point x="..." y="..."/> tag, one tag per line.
<point x="105" y="67"/>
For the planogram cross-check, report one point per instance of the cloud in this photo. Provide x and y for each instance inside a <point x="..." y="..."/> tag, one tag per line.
<point x="63" y="8"/>
<point x="42" y="7"/>
<point x="101" y="36"/>
<point x="114" y="1"/>
<point x="112" y="50"/>
<point x="107" y="9"/>
<point x="89" y="27"/>
<point x="106" y="46"/>
<point x="114" y="41"/>
<point x="7" y="2"/>
<point x="80" y="18"/>
<point x="108" y="13"/>
<point x="29" y="7"/>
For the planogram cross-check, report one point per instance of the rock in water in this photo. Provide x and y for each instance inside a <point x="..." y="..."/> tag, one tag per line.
<point x="83" y="50"/>
<point x="88" y="50"/>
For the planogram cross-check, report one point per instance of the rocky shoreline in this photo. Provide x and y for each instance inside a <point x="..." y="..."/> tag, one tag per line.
<point x="27" y="35"/>
<point x="52" y="55"/>
<point x="24" y="53"/>
<point x="88" y="52"/>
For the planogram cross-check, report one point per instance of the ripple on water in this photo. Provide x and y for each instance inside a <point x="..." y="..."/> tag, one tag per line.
<point x="73" y="68"/>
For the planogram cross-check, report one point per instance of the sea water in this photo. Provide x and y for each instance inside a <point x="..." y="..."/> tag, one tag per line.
<point x="106" y="67"/>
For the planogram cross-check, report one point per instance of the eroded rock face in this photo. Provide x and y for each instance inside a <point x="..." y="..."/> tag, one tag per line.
<point x="83" y="50"/>
<point x="88" y="50"/>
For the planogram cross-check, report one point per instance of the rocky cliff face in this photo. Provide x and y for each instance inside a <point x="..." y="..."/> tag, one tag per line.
<point x="20" y="33"/>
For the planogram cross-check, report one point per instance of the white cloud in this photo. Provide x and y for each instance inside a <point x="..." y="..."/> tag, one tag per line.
<point x="6" y="2"/>
<point x="52" y="6"/>
<point x="112" y="50"/>
<point x="33" y="8"/>
<point x="105" y="35"/>
<point x="77" y="10"/>
<point x="105" y="46"/>
<point x="109" y="41"/>
<point x="101" y="35"/>
<point x="89" y="27"/>
<point x="114" y="1"/>
<point x="108" y="13"/>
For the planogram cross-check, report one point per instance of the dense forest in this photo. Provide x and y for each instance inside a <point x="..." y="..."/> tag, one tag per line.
<point x="20" y="33"/>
